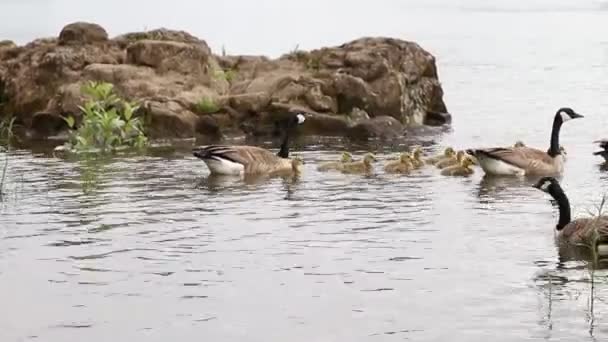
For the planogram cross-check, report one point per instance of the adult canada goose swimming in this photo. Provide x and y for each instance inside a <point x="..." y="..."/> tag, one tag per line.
<point x="403" y="165"/>
<point x="526" y="160"/>
<point x="447" y="153"/>
<point x="362" y="166"/>
<point x="461" y="169"/>
<point x="451" y="161"/>
<point x="603" y="144"/>
<point x="336" y="165"/>
<point x="581" y="231"/>
<point x="242" y="159"/>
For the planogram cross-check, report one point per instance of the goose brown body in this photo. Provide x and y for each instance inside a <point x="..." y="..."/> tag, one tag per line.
<point x="587" y="231"/>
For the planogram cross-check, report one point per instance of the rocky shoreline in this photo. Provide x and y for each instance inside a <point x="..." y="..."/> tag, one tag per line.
<point x="369" y="87"/>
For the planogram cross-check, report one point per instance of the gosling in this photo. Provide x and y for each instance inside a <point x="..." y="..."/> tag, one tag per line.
<point x="362" y="166"/>
<point x="336" y="165"/>
<point x="297" y="164"/>
<point x="403" y="165"/>
<point x="464" y="169"/>
<point x="447" y="153"/>
<point x="451" y="161"/>
<point x="417" y="161"/>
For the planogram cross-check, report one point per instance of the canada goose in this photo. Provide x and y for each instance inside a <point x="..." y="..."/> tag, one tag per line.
<point x="416" y="158"/>
<point x="526" y="160"/>
<point x="575" y="232"/>
<point x="462" y="169"/>
<point x="336" y="165"/>
<point x="362" y="166"/>
<point x="447" y="153"/>
<point x="242" y="159"/>
<point x="603" y="144"/>
<point x="451" y="161"/>
<point x="403" y="165"/>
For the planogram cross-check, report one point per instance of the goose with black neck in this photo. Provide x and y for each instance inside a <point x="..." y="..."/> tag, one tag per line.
<point x="244" y="159"/>
<point x="524" y="160"/>
<point x="586" y="231"/>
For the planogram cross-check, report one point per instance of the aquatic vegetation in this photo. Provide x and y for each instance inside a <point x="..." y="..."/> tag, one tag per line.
<point x="108" y="122"/>
<point x="6" y="134"/>
<point x="207" y="105"/>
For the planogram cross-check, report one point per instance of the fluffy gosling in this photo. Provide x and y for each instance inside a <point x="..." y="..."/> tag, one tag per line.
<point x="447" y="153"/>
<point x="463" y="169"/>
<point x="403" y="165"/>
<point x="362" y="166"/>
<point x="336" y="165"/>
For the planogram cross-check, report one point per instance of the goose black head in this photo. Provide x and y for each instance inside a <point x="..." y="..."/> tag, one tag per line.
<point x="566" y="114"/>
<point x="547" y="184"/>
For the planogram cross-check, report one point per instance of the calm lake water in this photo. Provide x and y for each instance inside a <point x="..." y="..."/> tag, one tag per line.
<point x="149" y="248"/>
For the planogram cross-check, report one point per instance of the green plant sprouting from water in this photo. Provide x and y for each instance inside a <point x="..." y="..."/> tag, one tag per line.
<point x="108" y="122"/>
<point x="6" y="134"/>
<point x="207" y="105"/>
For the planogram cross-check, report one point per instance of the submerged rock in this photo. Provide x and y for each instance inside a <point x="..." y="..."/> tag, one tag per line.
<point x="370" y="87"/>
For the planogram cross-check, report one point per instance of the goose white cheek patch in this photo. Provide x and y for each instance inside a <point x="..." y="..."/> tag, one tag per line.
<point x="301" y="118"/>
<point x="545" y="186"/>
<point x="565" y="116"/>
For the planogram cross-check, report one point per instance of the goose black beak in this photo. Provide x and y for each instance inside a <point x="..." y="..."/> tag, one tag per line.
<point x="576" y="115"/>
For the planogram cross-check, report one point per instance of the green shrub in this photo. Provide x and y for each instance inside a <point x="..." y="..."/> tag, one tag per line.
<point x="107" y="122"/>
<point x="207" y="106"/>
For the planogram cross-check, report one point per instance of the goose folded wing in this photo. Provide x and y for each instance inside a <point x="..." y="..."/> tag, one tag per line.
<point x="245" y="155"/>
<point x="523" y="157"/>
<point x="584" y="230"/>
<point x="603" y="143"/>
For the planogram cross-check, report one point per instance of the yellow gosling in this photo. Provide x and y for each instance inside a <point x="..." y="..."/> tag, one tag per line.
<point x="464" y="169"/>
<point x="447" y="153"/>
<point x="451" y="161"/>
<point x="417" y="161"/>
<point x="336" y="165"/>
<point x="403" y="165"/>
<point x="362" y="166"/>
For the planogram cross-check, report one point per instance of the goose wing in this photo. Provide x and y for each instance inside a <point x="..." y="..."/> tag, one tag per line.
<point x="582" y="230"/>
<point x="521" y="157"/>
<point x="603" y="143"/>
<point x="241" y="154"/>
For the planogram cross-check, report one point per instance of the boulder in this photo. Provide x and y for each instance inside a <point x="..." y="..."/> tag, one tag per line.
<point x="383" y="127"/>
<point x="169" y="120"/>
<point x="81" y="33"/>
<point x="367" y="88"/>
<point x="164" y="56"/>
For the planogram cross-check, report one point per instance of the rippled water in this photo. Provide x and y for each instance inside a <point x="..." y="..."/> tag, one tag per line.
<point x="151" y="248"/>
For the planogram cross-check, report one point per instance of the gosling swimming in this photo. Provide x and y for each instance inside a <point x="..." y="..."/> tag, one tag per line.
<point x="403" y="165"/>
<point x="447" y="153"/>
<point x="451" y="161"/>
<point x="362" y="166"/>
<point x="416" y="157"/>
<point x="463" y="169"/>
<point x="336" y="165"/>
